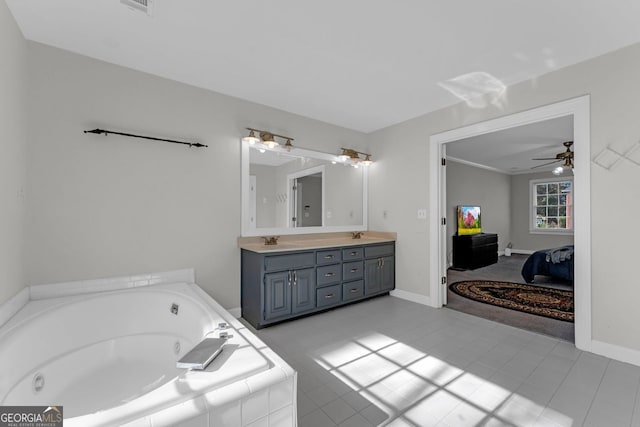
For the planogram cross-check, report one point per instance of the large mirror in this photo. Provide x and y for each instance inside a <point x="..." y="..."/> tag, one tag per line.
<point x="300" y="191"/>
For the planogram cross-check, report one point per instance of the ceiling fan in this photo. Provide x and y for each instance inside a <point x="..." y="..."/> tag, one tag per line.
<point x="565" y="156"/>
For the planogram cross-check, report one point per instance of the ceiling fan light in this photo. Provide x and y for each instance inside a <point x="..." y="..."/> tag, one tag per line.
<point x="558" y="170"/>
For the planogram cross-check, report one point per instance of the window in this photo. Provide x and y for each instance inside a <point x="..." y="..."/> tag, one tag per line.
<point x="551" y="206"/>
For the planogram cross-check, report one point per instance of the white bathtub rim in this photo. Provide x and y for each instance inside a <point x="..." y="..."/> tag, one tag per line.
<point x="57" y="303"/>
<point x="13" y="305"/>
<point x="16" y="303"/>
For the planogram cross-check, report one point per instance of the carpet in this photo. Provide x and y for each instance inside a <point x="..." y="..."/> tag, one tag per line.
<point x="552" y="303"/>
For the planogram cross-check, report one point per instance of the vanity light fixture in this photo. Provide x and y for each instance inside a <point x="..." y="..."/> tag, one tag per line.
<point x="352" y="156"/>
<point x="267" y="138"/>
<point x="251" y="138"/>
<point x="288" y="145"/>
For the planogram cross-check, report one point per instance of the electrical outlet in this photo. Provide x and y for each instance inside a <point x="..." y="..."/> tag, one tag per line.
<point x="422" y="214"/>
<point x="385" y="214"/>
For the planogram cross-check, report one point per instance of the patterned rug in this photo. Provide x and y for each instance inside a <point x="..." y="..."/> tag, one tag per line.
<point x="553" y="303"/>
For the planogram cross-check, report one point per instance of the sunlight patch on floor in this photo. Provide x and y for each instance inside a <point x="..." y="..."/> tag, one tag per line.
<point x="413" y="387"/>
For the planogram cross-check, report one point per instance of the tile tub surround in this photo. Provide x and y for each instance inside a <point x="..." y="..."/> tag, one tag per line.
<point x="314" y="241"/>
<point x="264" y="398"/>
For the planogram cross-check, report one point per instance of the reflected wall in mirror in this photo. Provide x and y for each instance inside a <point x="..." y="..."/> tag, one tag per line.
<point x="300" y="191"/>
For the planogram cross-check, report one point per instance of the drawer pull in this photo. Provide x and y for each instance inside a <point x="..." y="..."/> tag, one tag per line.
<point x="329" y="296"/>
<point x="354" y="253"/>
<point x="329" y="274"/>
<point x="354" y="270"/>
<point x="328" y="257"/>
<point x="354" y="290"/>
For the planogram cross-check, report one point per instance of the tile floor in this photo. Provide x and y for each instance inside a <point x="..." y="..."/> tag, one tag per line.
<point x="392" y="362"/>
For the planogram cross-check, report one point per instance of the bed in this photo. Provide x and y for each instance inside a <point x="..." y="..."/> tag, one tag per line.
<point x="555" y="262"/>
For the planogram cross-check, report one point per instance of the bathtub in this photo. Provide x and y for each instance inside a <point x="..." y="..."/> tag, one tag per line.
<point x="109" y="358"/>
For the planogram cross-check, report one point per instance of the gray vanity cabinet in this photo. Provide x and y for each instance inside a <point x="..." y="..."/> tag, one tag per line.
<point x="277" y="286"/>
<point x="379" y="275"/>
<point x="379" y="269"/>
<point x="289" y="292"/>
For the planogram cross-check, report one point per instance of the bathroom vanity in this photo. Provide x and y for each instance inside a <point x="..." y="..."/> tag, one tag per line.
<point x="317" y="203"/>
<point x="304" y="276"/>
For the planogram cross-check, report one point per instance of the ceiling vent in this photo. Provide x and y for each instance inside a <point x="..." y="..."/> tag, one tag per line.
<point x="139" y="5"/>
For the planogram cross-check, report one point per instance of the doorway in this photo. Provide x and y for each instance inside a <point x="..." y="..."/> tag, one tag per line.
<point x="579" y="109"/>
<point x="307" y="197"/>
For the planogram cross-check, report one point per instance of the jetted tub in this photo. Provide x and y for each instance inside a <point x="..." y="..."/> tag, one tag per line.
<point x="109" y="358"/>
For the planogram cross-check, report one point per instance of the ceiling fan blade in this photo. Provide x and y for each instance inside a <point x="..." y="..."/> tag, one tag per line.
<point x="547" y="158"/>
<point x="546" y="164"/>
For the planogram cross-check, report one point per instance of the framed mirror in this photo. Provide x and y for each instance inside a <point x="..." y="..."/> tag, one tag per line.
<point x="299" y="192"/>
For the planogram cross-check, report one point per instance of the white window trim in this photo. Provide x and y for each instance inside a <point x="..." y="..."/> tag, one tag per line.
<point x="549" y="231"/>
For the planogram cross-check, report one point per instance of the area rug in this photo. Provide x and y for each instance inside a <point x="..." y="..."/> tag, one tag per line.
<point x="552" y="303"/>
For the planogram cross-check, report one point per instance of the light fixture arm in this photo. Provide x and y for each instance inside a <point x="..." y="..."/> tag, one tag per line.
<point x="264" y="133"/>
<point x="350" y="150"/>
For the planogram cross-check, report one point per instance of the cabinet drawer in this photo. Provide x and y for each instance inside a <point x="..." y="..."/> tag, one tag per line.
<point x="353" y="270"/>
<point x="285" y="262"/>
<point x="328" y="257"/>
<point x="329" y="295"/>
<point x="349" y="254"/>
<point x="378" y="250"/>
<point x="328" y="274"/>
<point x="352" y="290"/>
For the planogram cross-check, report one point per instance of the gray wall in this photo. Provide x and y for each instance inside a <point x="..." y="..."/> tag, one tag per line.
<point x="613" y="83"/>
<point x="468" y="185"/>
<point x="505" y="205"/>
<point x="101" y="206"/>
<point x="13" y="143"/>
<point x="520" y="235"/>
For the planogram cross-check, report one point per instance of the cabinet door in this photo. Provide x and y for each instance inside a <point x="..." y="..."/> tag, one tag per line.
<point x="277" y="295"/>
<point x="304" y="290"/>
<point x="387" y="273"/>
<point x="371" y="276"/>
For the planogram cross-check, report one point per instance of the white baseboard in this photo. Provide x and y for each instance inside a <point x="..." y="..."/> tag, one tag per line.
<point x="235" y="312"/>
<point x="410" y="296"/>
<point x="612" y="351"/>
<point x="522" y="251"/>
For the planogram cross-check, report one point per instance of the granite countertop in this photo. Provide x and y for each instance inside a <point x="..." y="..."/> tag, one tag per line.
<point x="314" y="241"/>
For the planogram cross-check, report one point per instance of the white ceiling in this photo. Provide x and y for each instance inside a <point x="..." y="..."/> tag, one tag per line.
<point x="361" y="64"/>
<point x="512" y="150"/>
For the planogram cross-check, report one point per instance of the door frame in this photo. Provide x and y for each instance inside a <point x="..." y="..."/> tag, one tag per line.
<point x="579" y="108"/>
